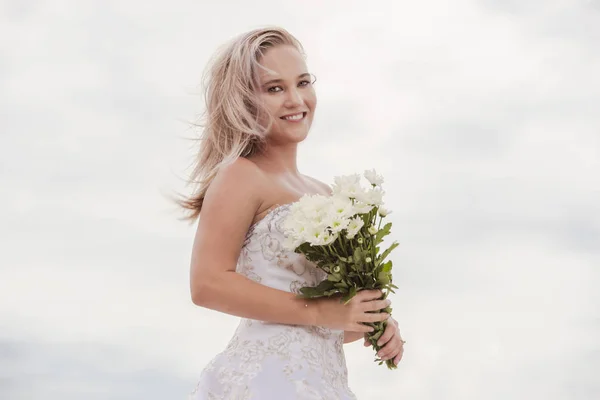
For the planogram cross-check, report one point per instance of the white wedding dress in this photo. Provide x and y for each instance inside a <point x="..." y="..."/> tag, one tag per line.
<point x="267" y="361"/>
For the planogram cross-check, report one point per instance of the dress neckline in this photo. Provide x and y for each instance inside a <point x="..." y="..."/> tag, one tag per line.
<point x="269" y="213"/>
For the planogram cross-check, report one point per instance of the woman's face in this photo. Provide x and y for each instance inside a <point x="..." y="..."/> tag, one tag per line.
<point x="287" y="93"/>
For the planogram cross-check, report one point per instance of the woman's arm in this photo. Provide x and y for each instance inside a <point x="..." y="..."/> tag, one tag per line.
<point x="350" y="337"/>
<point x="227" y="213"/>
<point x="228" y="210"/>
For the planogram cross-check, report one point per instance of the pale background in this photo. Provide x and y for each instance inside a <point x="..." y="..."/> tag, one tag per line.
<point x="481" y="114"/>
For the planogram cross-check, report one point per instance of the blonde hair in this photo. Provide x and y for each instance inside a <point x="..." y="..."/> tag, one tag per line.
<point x="231" y="126"/>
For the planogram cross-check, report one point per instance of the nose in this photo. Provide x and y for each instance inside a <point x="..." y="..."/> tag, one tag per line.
<point x="293" y="98"/>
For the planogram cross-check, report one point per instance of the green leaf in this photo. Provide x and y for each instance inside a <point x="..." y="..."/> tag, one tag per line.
<point x="387" y="252"/>
<point x="324" y="285"/>
<point x="341" y="285"/>
<point x="386" y="267"/>
<point x="350" y="295"/>
<point x="310" y="292"/>
<point x="383" y="232"/>
<point x="358" y="256"/>
<point x="383" y="278"/>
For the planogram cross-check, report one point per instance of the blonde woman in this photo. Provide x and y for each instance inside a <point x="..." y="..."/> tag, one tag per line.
<point x="260" y="103"/>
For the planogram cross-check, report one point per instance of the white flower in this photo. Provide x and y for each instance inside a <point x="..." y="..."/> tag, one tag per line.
<point x="355" y="224"/>
<point x="372" y="229"/>
<point x="317" y="236"/>
<point x="337" y="223"/>
<point x="368" y="259"/>
<point x="319" y="219"/>
<point x="341" y="206"/>
<point x="311" y="206"/>
<point x="292" y="242"/>
<point x="348" y="186"/>
<point x="313" y="235"/>
<point x="374" y="196"/>
<point x="384" y="212"/>
<point x="373" y="177"/>
<point x="329" y="238"/>
<point x="361" y="208"/>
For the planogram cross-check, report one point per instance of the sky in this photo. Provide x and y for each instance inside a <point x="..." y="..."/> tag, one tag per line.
<point x="481" y="115"/>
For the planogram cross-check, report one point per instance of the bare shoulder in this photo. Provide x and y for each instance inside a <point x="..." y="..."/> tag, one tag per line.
<point x="232" y="199"/>
<point x="240" y="178"/>
<point x="324" y="188"/>
<point x="229" y="207"/>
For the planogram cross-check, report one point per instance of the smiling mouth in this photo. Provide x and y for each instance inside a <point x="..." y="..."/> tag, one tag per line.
<point x="294" y="117"/>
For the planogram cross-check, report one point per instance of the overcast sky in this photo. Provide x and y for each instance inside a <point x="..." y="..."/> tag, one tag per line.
<point x="481" y="114"/>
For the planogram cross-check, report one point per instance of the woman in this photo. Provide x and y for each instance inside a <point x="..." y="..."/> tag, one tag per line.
<point x="260" y="104"/>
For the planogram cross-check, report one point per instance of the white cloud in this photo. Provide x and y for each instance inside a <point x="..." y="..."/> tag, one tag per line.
<point x="481" y="114"/>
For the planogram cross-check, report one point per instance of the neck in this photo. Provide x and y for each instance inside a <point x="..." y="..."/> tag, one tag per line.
<point x="279" y="159"/>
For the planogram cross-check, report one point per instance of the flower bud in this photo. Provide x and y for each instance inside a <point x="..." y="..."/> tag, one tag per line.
<point x="336" y="268"/>
<point x="372" y="230"/>
<point x="383" y="212"/>
<point x="368" y="259"/>
<point x="360" y="240"/>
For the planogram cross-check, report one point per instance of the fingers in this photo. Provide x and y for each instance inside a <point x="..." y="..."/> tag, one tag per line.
<point x="389" y="332"/>
<point x="393" y="349"/>
<point x="367" y="295"/>
<point x="375" y="305"/>
<point x="399" y="356"/>
<point x="362" y="328"/>
<point x="374" y="317"/>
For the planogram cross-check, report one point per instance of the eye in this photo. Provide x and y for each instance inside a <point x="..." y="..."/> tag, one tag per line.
<point x="275" y="89"/>
<point x="305" y="83"/>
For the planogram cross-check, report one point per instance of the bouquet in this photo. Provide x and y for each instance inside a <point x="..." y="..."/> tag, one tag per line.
<point x="341" y="234"/>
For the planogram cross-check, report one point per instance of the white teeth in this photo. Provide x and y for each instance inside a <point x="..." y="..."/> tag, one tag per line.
<point x="295" y="117"/>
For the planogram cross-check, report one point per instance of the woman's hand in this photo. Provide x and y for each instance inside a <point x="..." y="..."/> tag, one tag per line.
<point x="391" y="343"/>
<point x="364" y="307"/>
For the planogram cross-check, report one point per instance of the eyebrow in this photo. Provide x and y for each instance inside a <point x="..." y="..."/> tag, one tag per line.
<point x="304" y="75"/>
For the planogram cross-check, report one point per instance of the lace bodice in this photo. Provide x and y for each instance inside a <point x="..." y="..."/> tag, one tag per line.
<point x="275" y="361"/>
<point x="264" y="260"/>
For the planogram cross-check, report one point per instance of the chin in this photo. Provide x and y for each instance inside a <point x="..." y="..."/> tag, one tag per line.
<point x="291" y="135"/>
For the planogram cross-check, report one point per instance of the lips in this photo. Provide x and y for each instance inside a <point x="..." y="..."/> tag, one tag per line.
<point x="294" y="117"/>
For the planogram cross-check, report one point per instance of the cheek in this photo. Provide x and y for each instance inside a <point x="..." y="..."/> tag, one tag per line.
<point x="271" y="105"/>
<point x="270" y="108"/>
<point x="311" y="100"/>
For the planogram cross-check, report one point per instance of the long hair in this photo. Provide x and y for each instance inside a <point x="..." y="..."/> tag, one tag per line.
<point x="231" y="120"/>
